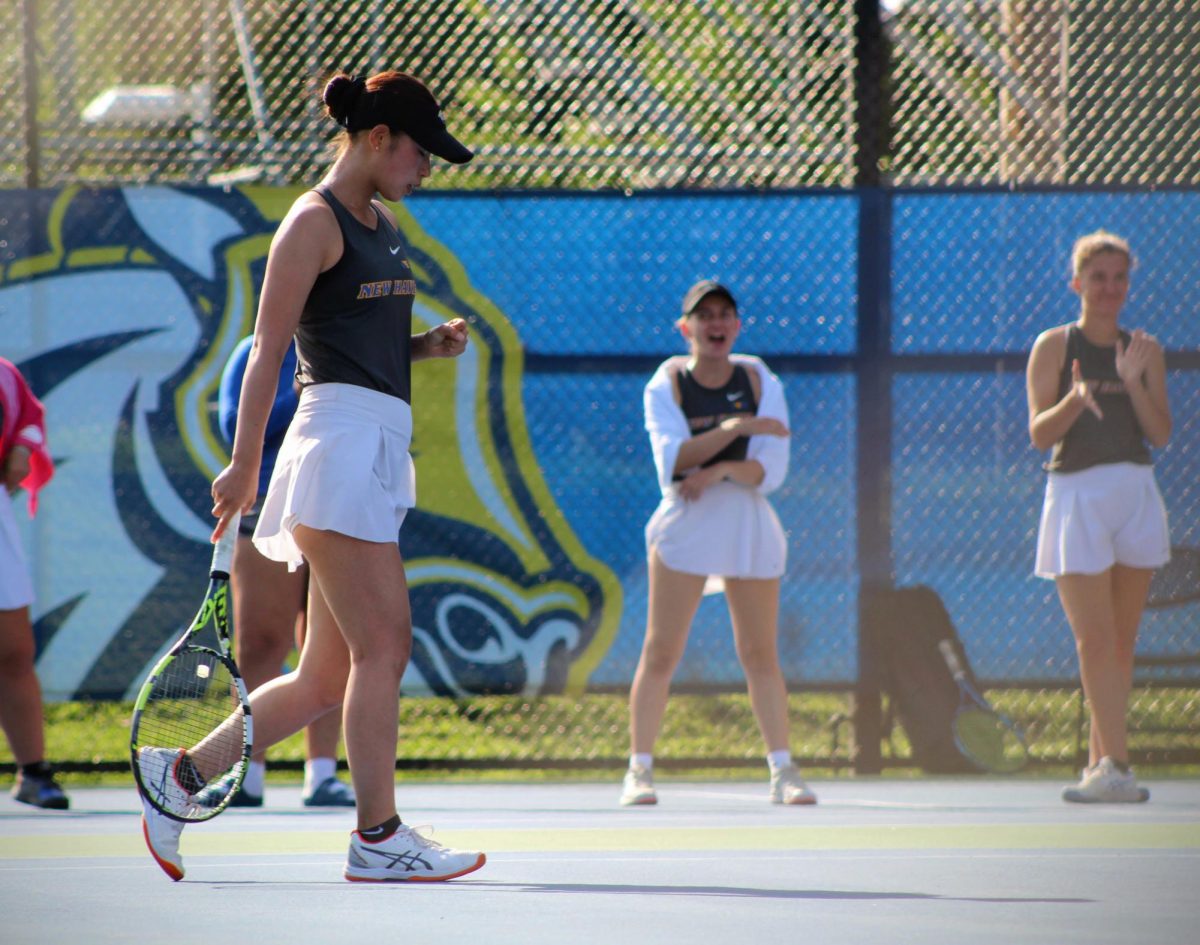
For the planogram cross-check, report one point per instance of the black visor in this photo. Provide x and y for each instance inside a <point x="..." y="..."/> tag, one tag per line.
<point x="405" y="104"/>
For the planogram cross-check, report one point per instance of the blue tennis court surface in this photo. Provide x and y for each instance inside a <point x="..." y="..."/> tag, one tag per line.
<point x="932" y="861"/>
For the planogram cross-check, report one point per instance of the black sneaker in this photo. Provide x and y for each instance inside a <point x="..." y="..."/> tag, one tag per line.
<point x="244" y="798"/>
<point x="216" y="791"/>
<point x="39" y="789"/>
<point x="330" y="793"/>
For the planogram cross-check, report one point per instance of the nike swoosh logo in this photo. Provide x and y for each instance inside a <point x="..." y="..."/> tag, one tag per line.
<point x="393" y="250"/>
<point x="732" y="397"/>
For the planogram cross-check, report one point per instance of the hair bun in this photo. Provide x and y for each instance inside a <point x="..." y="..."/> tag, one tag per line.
<point x="341" y="94"/>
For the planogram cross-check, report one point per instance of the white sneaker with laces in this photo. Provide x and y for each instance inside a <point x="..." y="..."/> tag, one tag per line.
<point x="1105" y="783"/>
<point x="407" y="857"/>
<point x="159" y="770"/>
<point x="158" y="766"/>
<point x="787" y="787"/>
<point x="638" y="787"/>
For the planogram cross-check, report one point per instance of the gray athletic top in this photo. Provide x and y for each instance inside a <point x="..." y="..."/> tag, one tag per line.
<point x="1091" y="441"/>
<point x="706" y="407"/>
<point x="356" y="326"/>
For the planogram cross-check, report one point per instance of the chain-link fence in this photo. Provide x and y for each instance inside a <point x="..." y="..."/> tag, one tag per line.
<point x="782" y="93"/>
<point x="906" y="179"/>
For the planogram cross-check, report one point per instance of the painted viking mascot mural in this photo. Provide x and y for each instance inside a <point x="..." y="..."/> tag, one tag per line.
<point x="121" y="306"/>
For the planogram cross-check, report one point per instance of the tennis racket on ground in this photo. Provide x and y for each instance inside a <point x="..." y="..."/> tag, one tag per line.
<point x="195" y="701"/>
<point x="984" y="736"/>
<point x="1178" y="581"/>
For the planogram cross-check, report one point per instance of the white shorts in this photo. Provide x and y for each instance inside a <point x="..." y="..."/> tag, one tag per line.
<point x="731" y="531"/>
<point x="16" y="590"/>
<point x="343" y="466"/>
<point x="1098" y="517"/>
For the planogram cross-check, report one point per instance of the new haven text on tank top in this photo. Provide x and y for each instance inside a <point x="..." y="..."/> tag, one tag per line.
<point x="356" y="326"/>
<point x="1092" y="441"/>
<point x="706" y="407"/>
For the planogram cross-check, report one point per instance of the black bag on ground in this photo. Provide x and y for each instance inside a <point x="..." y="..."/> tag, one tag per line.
<point x="906" y="624"/>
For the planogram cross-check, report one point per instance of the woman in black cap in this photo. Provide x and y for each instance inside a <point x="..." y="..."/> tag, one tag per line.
<point x="718" y="429"/>
<point x="338" y="280"/>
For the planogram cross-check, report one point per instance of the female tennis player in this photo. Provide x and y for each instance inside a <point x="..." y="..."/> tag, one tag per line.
<point x="718" y="430"/>
<point x="1097" y="398"/>
<point x="339" y="281"/>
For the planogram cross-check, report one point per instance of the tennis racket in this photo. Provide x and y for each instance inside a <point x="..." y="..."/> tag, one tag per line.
<point x="985" y="737"/>
<point x="191" y="730"/>
<point x="1176" y="582"/>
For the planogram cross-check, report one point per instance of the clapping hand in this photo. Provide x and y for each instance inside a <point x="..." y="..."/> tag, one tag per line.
<point x="1084" y="389"/>
<point x="1132" y="361"/>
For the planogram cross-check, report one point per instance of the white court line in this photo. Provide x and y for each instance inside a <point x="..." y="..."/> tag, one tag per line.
<point x="196" y="864"/>
<point x="882" y="805"/>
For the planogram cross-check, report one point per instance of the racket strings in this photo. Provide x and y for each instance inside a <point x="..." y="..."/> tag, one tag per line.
<point x="989" y="741"/>
<point x="194" y="705"/>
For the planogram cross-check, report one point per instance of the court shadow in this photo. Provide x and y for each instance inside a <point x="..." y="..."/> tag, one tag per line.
<point x="747" y="892"/>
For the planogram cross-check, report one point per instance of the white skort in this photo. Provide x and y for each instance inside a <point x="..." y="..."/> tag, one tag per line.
<point x="1095" y="518"/>
<point x="731" y="531"/>
<point x="344" y="466"/>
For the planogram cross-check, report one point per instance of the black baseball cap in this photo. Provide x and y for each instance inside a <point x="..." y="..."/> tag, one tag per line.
<point x="404" y="103"/>
<point x="705" y="287"/>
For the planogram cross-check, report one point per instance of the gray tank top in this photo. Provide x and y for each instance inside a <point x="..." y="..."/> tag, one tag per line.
<point x="356" y="326"/>
<point x="705" y="408"/>
<point x="1091" y="441"/>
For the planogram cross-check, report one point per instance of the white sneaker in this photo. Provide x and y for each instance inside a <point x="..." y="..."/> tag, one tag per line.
<point x="407" y="857"/>
<point x="638" y="787"/>
<point x="1104" y="783"/>
<point x="157" y="767"/>
<point x="787" y="787"/>
<point x="162" y="839"/>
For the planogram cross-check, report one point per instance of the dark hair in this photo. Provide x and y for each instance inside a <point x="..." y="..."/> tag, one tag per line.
<point x="398" y="100"/>
<point x="342" y="93"/>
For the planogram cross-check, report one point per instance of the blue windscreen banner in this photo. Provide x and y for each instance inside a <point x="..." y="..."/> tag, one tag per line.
<point x="525" y="554"/>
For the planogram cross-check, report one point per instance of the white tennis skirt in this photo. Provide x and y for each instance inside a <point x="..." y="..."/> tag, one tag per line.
<point x="16" y="590"/>
<point x="731" y="531"/>
<point x="1095" y="518"/>
<point x="343" y="466"/>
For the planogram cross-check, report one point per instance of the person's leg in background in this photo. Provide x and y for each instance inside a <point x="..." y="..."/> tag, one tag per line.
<point x="322" y="787"/>
<point x="21" y="713"/>
<point x="268" y="620"/>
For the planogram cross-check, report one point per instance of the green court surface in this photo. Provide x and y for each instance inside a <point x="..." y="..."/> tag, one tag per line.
<point x="895" y="861"/>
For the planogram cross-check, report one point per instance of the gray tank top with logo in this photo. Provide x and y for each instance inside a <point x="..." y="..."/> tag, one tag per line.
<point x="1092" y="441"/>
<point x="356" y="326"/>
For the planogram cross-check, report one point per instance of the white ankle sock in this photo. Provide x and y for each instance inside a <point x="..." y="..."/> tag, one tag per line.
<point x="643" y="760"/>
<point x="779" y="759"/>
<point x="256" y="778"/>
<point x="317" y="771"/>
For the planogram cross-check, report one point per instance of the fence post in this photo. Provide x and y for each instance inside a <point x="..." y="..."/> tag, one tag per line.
<point x="873" y="377"/>
<point x="30" y="79"/>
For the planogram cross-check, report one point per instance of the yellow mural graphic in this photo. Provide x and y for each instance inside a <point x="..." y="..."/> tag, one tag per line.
<point x="505" y="596"/>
